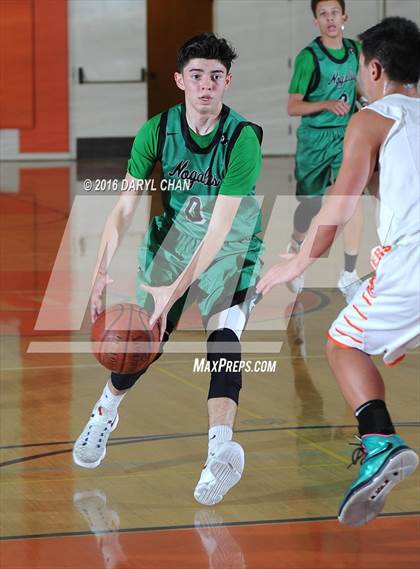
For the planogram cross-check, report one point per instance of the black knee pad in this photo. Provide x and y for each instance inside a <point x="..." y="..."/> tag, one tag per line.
<point x="126" y="380"/>
<point x="307" y="209"/>
<point x="224" y="355"/>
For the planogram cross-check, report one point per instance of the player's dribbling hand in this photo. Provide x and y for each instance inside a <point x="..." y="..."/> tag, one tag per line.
<point x="101" y="281"/>
<point x="339" y="108"/>
<point x="279" y="273"/>
<point x="164" y="299"/>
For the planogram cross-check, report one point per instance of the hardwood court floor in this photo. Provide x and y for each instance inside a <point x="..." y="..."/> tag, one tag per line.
<point x="390" y="542"/>
<point x="137" y="510"/>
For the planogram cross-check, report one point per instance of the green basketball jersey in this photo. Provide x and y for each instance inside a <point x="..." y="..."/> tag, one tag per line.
<point x="332" y="80"/>
<point x="192" y="176"/>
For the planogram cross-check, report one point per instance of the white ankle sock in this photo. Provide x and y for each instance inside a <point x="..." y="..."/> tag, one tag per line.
<point x="219" y="434"/>
<point x="109" y="400"/>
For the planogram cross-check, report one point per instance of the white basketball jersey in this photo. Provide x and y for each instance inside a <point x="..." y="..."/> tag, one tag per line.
<point x="399" y="160"/>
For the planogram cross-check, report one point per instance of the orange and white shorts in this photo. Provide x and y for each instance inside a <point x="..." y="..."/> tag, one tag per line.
<point x="384" y="315"/>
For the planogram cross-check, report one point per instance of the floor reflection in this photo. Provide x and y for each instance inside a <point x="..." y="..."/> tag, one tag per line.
<point x="222" y="549"/>
<point x="311" y="404"/>
<point x="104" y="523"/>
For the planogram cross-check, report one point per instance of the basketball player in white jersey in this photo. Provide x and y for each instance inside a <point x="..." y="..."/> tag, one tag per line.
<point x="384" y="316"/>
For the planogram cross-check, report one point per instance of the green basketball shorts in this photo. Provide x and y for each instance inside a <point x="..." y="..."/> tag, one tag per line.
<point x="319" y="155"/>
<point x="164" y="254"/>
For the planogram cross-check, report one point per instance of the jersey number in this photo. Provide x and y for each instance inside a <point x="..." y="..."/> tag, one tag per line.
<point x="193" y="210"/>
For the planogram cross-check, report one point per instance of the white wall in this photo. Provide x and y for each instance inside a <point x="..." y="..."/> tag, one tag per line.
<point x="268" y="34"/>
<point x="405" y="8"/>
<point x="260" y="32"/>
<point x="107" y="39"/>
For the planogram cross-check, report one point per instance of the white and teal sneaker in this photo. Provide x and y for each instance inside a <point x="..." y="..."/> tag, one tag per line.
<point x="385" y="461"/>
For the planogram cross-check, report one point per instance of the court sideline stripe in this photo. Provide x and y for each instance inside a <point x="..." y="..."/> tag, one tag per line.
<point x="192" y="526"/>
<point x="153" y="438"/>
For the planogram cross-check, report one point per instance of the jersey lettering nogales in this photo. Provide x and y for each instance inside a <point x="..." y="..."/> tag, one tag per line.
<point x="181" y="170"/>
<point x="182" y="159"/>
<point x="333" y="80"/>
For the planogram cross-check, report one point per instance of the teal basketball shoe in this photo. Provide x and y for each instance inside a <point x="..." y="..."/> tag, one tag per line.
<point x="385" y="461"/>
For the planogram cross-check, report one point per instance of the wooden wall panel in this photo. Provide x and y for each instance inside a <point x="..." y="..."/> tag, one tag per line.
<point x="51" y="129"/>
<point x="169" y="25"/>
<point x="16" y="64"/>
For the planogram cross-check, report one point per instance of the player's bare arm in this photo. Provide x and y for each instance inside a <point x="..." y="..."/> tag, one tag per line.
<point x="116" y="225"/>
<point x="297" y="107"/>
<point x="365" y="134"/>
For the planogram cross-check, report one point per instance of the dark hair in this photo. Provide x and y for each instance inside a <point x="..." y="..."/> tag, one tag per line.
<point x="206" y="46"/>
<point x="395" y="43"/>
<point x="314" y="4"/>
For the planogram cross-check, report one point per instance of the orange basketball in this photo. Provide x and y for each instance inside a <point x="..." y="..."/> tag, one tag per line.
<point x="123" y="340"/>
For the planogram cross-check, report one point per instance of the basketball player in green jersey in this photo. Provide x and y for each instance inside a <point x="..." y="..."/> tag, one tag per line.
<point x="323" y="92"/>
<point x="203" y="247"/>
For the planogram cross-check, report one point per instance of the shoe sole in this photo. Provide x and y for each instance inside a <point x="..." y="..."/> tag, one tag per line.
<point x="79" y="462"/>
<point x="368" y="501"/>
<point x="227" y="470"/>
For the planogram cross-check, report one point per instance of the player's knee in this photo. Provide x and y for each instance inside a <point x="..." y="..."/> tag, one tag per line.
<point x="224" y="354"/>
<point x="123" y="381"/>
<point x="223" y="339"/>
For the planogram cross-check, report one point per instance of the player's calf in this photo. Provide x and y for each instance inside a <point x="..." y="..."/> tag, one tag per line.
<point x="225" y="461"/>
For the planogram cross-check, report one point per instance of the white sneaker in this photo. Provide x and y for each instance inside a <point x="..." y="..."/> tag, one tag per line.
<point x="349" y="283"/>
<point x="295" y="285"/>
<point x="90" y="448"/>
<point x="221" y="472"/>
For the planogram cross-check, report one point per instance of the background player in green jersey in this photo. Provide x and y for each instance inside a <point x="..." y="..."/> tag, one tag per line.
<point x="203" y="247"/>
<point x="323" y="92"/>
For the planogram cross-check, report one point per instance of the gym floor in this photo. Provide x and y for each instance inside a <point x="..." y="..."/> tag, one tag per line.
<point x="137" y="510"/>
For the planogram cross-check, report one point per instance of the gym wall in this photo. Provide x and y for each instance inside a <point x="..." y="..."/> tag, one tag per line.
<point x="76" y="70"/>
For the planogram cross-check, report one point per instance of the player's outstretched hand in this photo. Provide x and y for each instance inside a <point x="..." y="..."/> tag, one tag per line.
<point x="102" y="279"/>
<point x="164" y="297"/>
<point x="339" y="108"/>
<point x="280" y="273"/>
